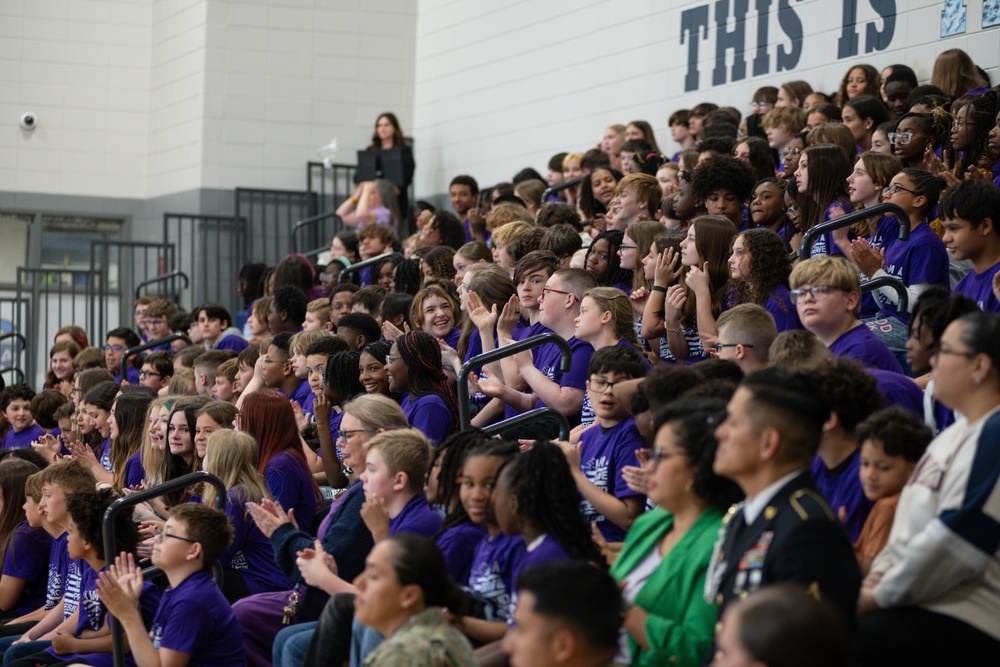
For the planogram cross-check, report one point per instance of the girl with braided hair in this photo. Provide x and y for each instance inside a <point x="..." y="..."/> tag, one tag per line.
<point x="537" y="498"/>
<point x="458" y="536"/>
<point x="413" y="366"/>
<point x="919" y="136"/>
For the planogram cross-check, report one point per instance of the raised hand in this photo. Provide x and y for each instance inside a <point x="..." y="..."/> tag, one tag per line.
<point x="667" y="263"/>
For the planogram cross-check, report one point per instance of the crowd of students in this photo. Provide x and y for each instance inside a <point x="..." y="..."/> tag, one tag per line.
<point x="767" y="459"/>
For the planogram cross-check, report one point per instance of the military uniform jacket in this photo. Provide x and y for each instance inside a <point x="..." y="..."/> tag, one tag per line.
<point x="796" y="538"/>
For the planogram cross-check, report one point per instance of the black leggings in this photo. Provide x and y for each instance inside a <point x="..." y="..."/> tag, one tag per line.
<point x="914" y="637"/>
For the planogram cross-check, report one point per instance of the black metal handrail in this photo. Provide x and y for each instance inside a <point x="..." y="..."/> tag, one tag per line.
<point x="531" y="417"/>
<point x="146" y="346"/>
<point x="462" y="380"/>
<point x="357" y="266"/>
<point x="845" y="221"/>
<point x="310" y="223"/>
<point x="893" y="283"/>
<point x="111" y="549"/>
<point x="162" y="279"/>
<point x="562" y="186"/>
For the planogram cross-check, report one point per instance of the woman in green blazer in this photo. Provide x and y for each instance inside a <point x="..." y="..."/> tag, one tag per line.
<point x="666" y="553"/>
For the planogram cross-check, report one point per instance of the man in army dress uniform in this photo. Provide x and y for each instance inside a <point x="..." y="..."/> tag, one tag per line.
<point x="784" y="530"/>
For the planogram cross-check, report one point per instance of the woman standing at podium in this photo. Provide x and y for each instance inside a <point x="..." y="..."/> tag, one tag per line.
<point x="388" y="135"/>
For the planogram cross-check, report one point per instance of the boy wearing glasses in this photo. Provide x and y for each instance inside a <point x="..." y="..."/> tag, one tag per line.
<point x="157" y="370"/>
<point x="827" y="293"/>
<point x="194" y="624"/>
<point x="610" y="445"/>
<point x="117" y="342"/>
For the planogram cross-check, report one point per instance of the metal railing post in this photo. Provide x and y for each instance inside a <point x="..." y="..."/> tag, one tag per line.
<point x="146" y="346"/>
<point x="845" y="221"/>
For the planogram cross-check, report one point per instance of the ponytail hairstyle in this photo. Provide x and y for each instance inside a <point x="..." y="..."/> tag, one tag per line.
<point x="928" y="186"/>
<point x="613" y="300"/>
<point x="422" y="354"/>
<point x="936" y="124"/>
<point x="548" y="499"/>
<point x="416" y="561"/>
<point x="130" y="416"/>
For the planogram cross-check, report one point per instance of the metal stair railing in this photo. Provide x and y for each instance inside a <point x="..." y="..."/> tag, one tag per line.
<point x="846" y="221"/>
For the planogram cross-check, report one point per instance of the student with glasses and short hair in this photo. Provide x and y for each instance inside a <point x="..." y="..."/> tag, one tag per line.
<point x="827" y="293"/>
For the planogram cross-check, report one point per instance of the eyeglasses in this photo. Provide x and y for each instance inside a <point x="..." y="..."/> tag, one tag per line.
<point x="74" y="390"/>
<point x="791" y="151"/>
<point x="600" y="385"/>
<point x="546" y="290"/>
<point x="389" y="359"/>
<point x="148" y="374"/>
<point x="959" y="124"/>
<point x="346" y="435"/>
<point x="623" y="247"/>
<point x="792" y="209"/>
<point x="759" y="105"/>
<point x="659" y="455"/>
<point x="817" y="292"/>
<point x="900" y="138"/>
<point x="160" y="534"/>
<point x="114" y="348"/>
<point x="895" y="188"/>
<point x="958" y="353"/>
<point x="720" y="346"/>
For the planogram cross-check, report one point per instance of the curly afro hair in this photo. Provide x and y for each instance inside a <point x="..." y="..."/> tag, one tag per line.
<point x="850" y="392"/>
<point x="87" y="511"/>
<point x="723" y="172"/>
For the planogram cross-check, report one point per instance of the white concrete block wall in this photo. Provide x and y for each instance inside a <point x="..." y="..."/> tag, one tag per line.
<point x="83" y="68"/>
<point x="503" y="86"/>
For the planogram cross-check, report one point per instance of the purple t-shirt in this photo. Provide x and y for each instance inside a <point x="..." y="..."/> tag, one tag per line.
<point x="548" y="549"/>
<point x="131" y="374"/>
<point x="451" y="338"/>
<point x="587" y="415"/>
<point x="491" y="575"/>
<point x="786" y="316"/>
<point x="27" y="558"/>
<point x="547" y="358"/>
<point x="250" y="552"/>
<point x="290" y="482"/>
<point x="841" y="487"/>
<point x="103" y="455"/>
<point x="195" y="618"/>
<point x="430" y="415"/>
<point x="860" y="344"/>
<point x="231" y="342"/>
<point x="19" y="439"/>
<point x="886" y="232"/>
<point x="457" y="545"/>
<point x="897" y="389"/>
<point x="416" y="518"/>
<point x="523" y="330"/>
<point x="603" y="455"/>
<point x="134" y="472"/>
<point x="304" y="396"/>
<point x="468" y="234"/>
<point x="64" y="577"/>
<point x="920" y="259"/>
<point x="979" y="288"/>
<point x="335" y="419"/>
<point x="93" y="613"/>
<point x="824" y="244"/>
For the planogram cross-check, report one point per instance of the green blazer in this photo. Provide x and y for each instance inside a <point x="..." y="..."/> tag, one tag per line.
<point x="681" y="625"/>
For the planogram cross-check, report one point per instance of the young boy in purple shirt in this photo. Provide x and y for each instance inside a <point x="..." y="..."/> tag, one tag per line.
<point x="15" y="402"/>
<point x="193" y="625"/>
<point x="827" y="293"/>
<point x="83" y="636"/>
<point x="968" y="212"/>
<point x="608" y="446"/>
<point x="851" y="394"/>
<point x="48" y="490"/>
<point x="117" y="342"/>
<point x="217" y="333"/>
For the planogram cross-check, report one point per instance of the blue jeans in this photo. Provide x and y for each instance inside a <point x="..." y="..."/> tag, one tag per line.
<point x="292" y="643"/>
<point x="19" y="651"/>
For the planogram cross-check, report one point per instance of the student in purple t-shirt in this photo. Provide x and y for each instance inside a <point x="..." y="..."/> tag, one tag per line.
<point x="758" y="270"/>
<point x="827" y="293"/>
<point x="15" y="402"/>
<point x="413" y="367"/>
<point x="193" y="622"/>
<point x="851" y="394"/>
<point x="607" y="447"/>
<point x="27" y="548"/>
<point x="968" y="212"/>
<point x="268" y="417"/>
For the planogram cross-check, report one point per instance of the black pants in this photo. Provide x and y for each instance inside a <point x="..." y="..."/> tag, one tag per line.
<point x="42" y="659"/>
<point x="16" y="629"/>
<point x="331" y="643"/>
<point x="234" y="586"/>
<point x="914" y="637"/>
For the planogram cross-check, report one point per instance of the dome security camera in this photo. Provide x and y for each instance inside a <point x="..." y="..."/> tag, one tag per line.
<point x="29" y="121"/>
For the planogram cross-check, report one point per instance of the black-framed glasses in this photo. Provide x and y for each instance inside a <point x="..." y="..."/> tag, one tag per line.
<point x="817" y="292"/>
<point x="160" y="534"/>
<point x="721" y="346"/>
<point x="895" y="189"/>
<point x="623" y="247"/>
<point x="148" y="374"/>
<point x="600" y="385"/>
<point x="114" y="348"/>
<point x="346" y="435"/>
